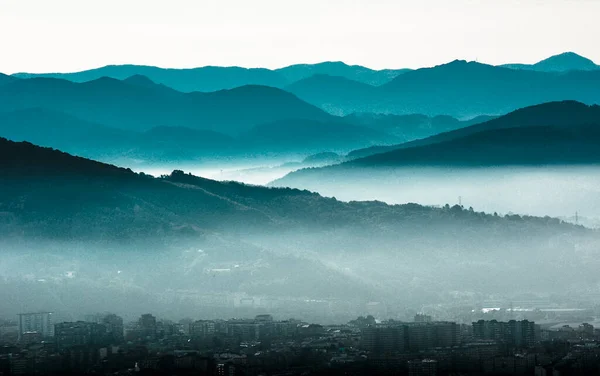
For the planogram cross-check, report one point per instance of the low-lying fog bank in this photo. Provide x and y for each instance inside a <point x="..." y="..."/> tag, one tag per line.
<point x="553" y="191"/>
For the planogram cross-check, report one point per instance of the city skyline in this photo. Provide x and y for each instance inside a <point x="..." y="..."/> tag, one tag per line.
<point x="66" y="36"/>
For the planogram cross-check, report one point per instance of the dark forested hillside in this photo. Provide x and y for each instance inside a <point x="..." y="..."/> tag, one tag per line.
<point x="49" y="192"/>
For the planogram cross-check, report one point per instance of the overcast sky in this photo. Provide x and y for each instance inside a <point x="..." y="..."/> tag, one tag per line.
<point x="70" y="35"/>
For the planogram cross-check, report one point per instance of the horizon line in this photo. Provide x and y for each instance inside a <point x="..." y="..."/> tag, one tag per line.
<point x="285" y="66"/>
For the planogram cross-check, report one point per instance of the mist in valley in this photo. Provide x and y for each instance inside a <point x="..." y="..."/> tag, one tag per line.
<point x="571" y="193"/>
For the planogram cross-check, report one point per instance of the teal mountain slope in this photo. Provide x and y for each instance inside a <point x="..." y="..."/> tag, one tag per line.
<point x="564" y="62"/>
<point x="135" y="107"/>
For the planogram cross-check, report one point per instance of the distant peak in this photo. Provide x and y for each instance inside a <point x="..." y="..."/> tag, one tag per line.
<point x="570" y="54"/>
<point x="567" y="61"/>
<point x="103" y="80"/>
<point x="567" y="55"/>
<point x="139" y="80"/>
<point x="457" y="63"/>
<point x="460" y="64"/>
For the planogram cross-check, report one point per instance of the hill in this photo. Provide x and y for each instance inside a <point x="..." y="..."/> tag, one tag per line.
<point x="58" y="130"/>
<point x="311" y="136"/>
<point x="209" y="78"/>
<point x="172" y="143"/>
<point x="538" y="145"/>
<point x="552" y="133"/>
<point x="326" y="157"/>
<point x="138" y="107"/>
<point x="407" y="127"/>
<point x="564" y="62"/>
<point x="459" y="89"/>
<point x="45" y="177"/>
<point x="294" y="73"/>
<point x="564" y="113"/>
<point x="321" y="89"/>
<point x="4" y="79"/>
<point x="203" y="79"/>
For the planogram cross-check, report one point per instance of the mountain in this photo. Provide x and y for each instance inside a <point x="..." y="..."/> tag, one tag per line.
<point x="311" y="136"/>
<point x="564" y="62"/>
<point x="56" y="129"/>
<point x="552" y="133"/>
<point x="326" y="157"/>
<point x="555" y="114"/>
<point x="203" y="79"/>
<point x="102" y="196"/>
<point x="465" y="88"/>
<point x="564" y="113"/>
<point x="407" y="127"/>
<point x="139" y="107"/>
<point x="294" y="73"/>
<point x="320" y="89"/>
<point x="171" y="143"/>
<point x="4" y="79"/>
<point x="535" y="145"/>
<point x="145" y="82"/>
<point x="207" y="79"/>
<point x="460" y="89"/>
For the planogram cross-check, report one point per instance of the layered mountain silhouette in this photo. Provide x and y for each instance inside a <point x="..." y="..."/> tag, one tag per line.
<point x="138" y="107"/>
<point x="206" y="79"/>
<point x="562" y="114"/>
<point x="203" y="79"/>
<point x="59" y="130"/>
<point x="173" y="143"/>
<point x="312" y="136"/>
<point x="325" y="158"/>
<point x="459" y="89"/>
<point x="557" y="133"/>
<point x="327" y="91"/>
<point x="564" y="62"/>
<point x="357" y="73"/>
<point x="409" y="127"/>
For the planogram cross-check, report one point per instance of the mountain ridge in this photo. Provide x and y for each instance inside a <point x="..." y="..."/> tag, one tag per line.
<point x="563" y="62"/>
<point x="134" y="107"/>
<point x="556" y="133"/>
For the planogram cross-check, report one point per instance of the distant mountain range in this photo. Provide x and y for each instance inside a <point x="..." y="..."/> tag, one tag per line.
<point x="211" y="78"/>
<point x="124" y="115"/>
<point x="55" y="129"/>
<point x="312" y="136"/>
<point x="206" y="79"/>
<point x="138" y="105"/>
<point x="460" y="89"/>
<point x="564" y="62"/>
<point x="356" y="73"/>
<point x="410" y="127"/>
<point x="557" y="133"/>
<point x="138" y="119"/>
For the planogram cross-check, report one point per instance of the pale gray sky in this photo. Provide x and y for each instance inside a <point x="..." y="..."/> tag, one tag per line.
<point x="70" y="35"/>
